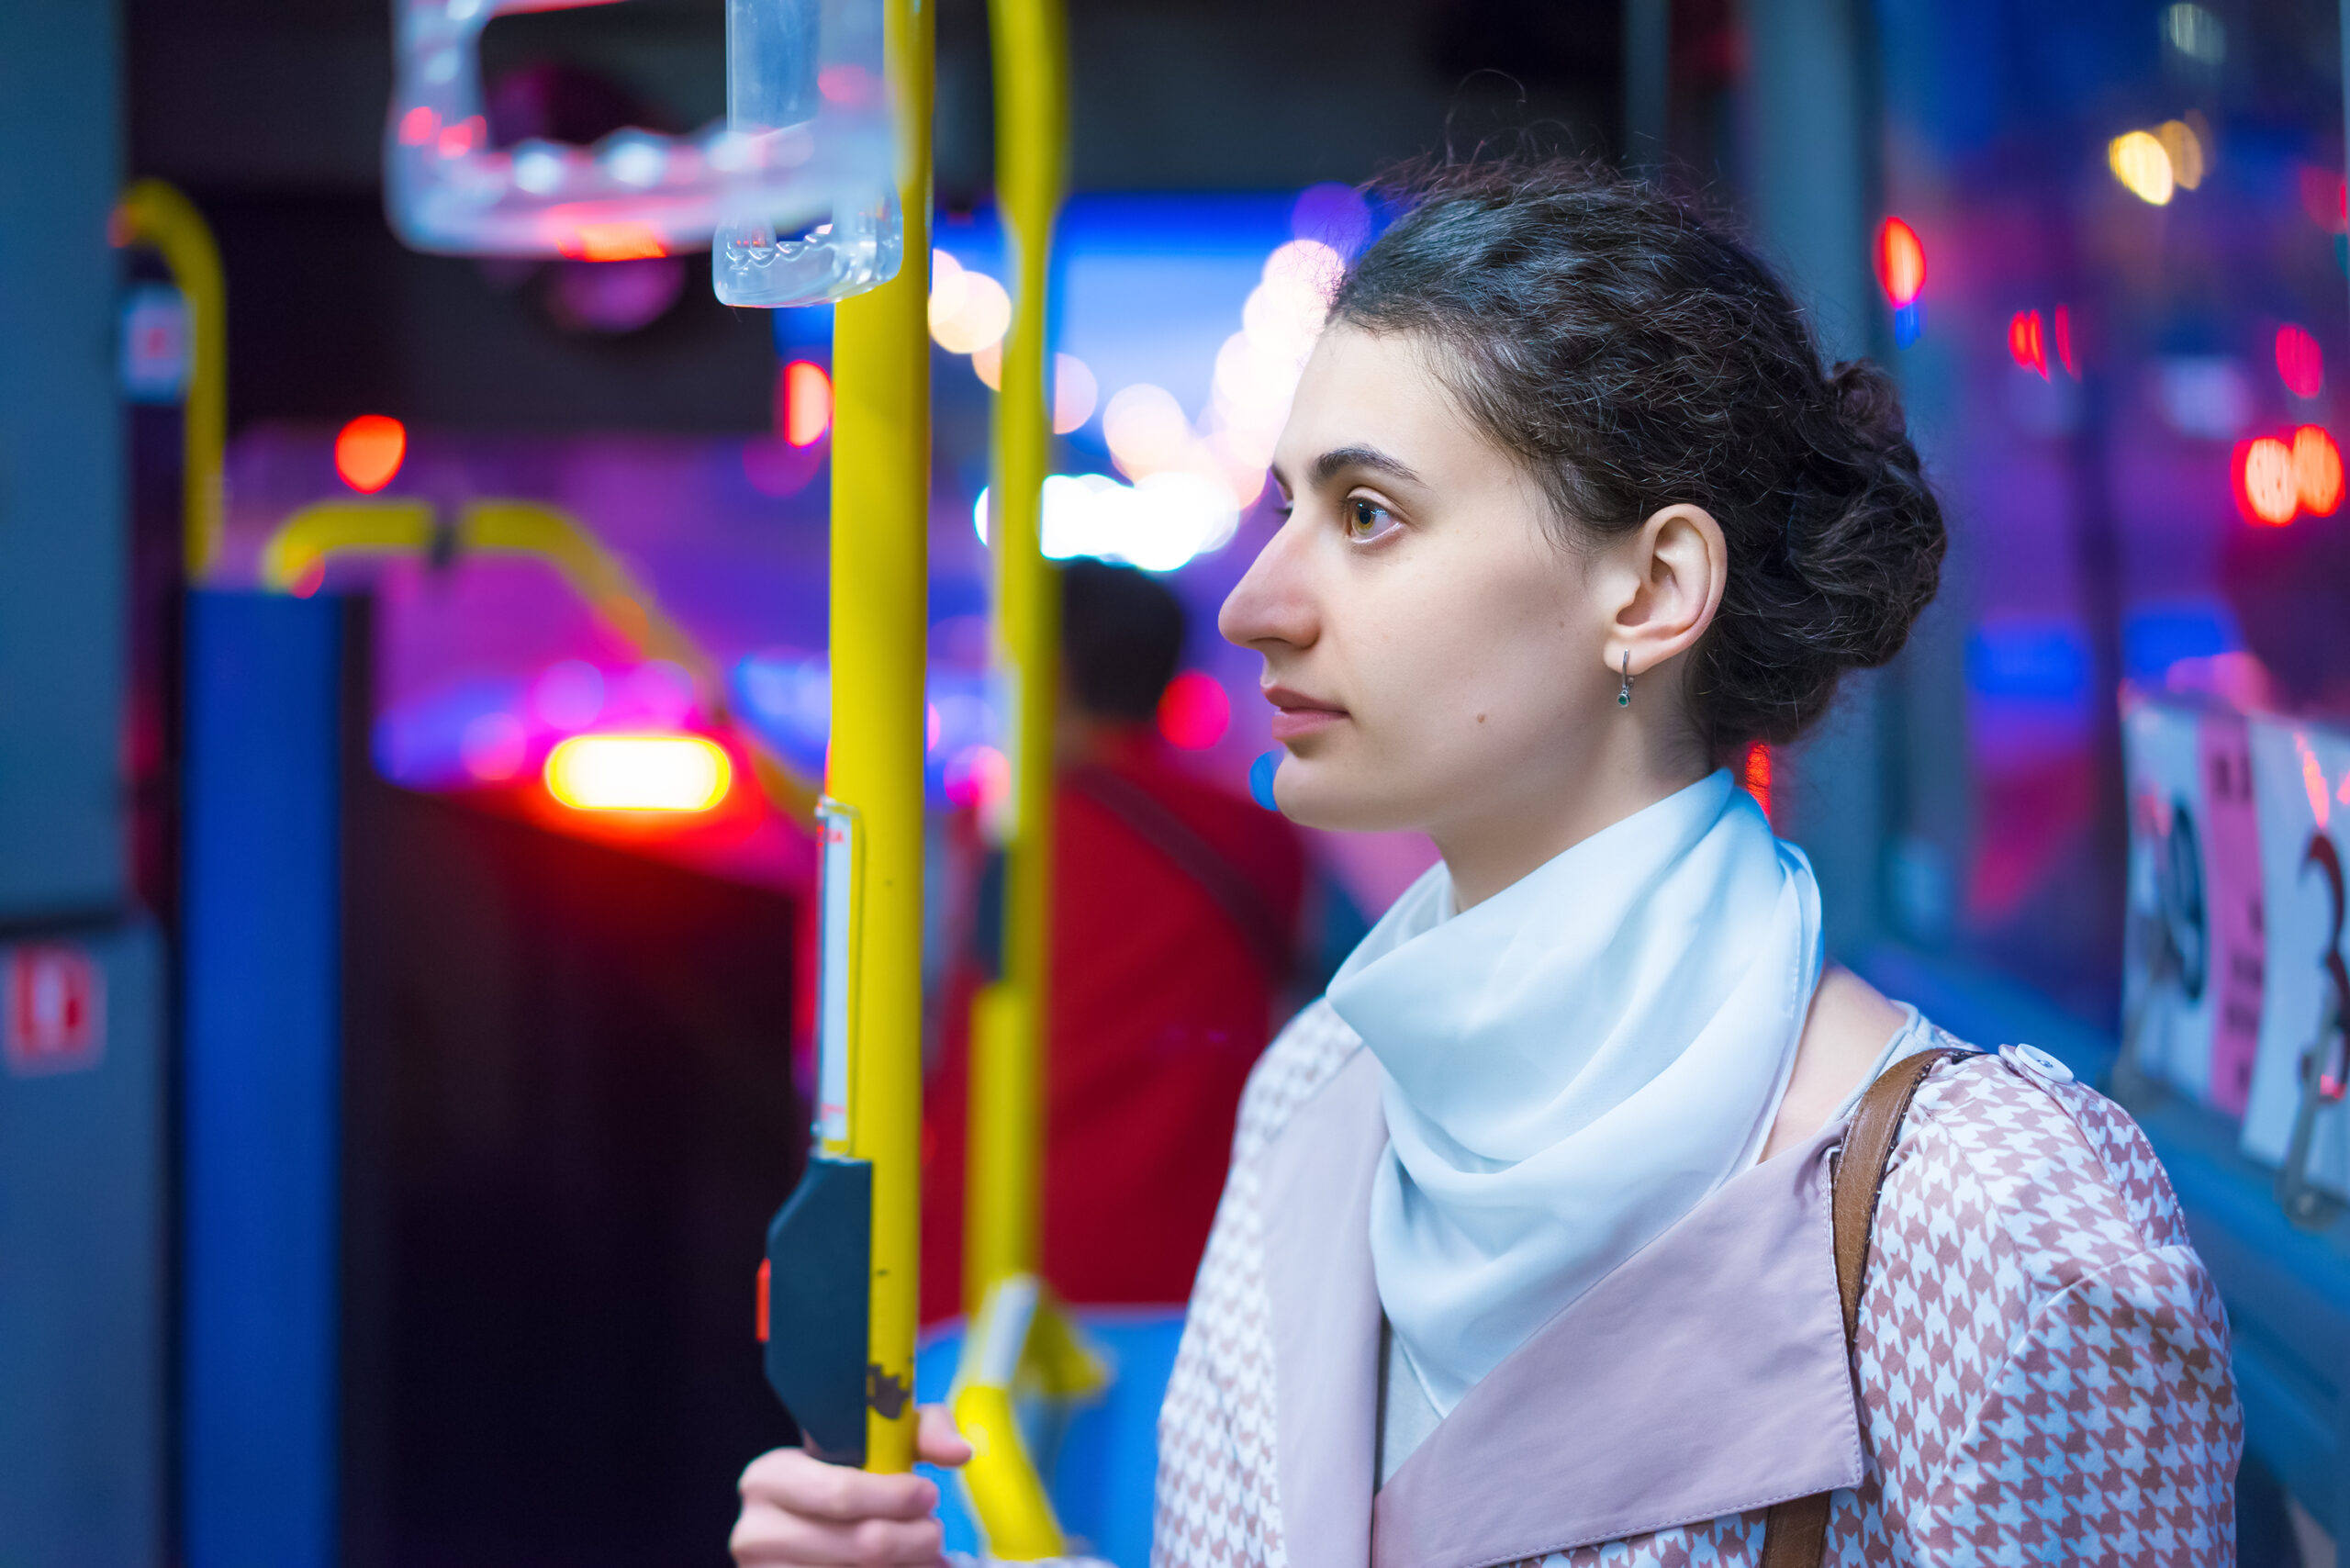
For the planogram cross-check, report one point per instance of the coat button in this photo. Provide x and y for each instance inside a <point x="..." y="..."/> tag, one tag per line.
<point x="2038" y="1063"/>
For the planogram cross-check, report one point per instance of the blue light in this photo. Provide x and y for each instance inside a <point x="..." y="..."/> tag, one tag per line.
<point x="1260" y="779"/>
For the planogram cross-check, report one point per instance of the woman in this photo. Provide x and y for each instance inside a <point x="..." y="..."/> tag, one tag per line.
<point x="1524" y="1249"/>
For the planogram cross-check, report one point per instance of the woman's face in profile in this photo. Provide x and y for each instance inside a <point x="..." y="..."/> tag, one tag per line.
<point x="1434" y="652"/>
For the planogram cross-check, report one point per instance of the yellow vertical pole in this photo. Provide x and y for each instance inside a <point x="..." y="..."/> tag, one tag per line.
<point x="1003" y="1189"/>
<point x="879" y="583"/>
<point x="154" y="213"/>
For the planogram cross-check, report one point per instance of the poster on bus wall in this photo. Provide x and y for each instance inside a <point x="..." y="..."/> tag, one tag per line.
<point x="2192" y="975"/>
<point x="2302" y="781"/>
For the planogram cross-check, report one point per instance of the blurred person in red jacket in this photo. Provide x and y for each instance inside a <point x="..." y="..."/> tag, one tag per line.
<point x="1174" y="909"/>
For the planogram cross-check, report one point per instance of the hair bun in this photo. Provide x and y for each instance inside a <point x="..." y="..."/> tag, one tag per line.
<point x="1866" y="536"/>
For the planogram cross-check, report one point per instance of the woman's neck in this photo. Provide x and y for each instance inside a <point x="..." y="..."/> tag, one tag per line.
<point x="1509" y="838"/>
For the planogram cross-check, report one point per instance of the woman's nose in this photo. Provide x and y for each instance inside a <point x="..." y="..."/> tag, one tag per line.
<point x="1273" y="601"/>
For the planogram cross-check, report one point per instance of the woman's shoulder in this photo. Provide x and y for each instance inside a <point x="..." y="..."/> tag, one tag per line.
<point x="1304" y="1057"/>
<point x="2033" y="1306"/>
<point x="2056" y="1161"/>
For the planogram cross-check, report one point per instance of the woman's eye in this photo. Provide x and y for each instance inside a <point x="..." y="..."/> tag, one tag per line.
<point x="1366" y="519"/>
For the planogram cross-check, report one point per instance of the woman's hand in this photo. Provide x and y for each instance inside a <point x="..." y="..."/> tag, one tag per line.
<point x="798" y="1512"/>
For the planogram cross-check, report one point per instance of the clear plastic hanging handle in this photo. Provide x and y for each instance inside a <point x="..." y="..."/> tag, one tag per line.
<point x="793" y="195"/>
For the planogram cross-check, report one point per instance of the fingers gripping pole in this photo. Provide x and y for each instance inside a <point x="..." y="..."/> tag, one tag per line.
<point x="879" y="533"/>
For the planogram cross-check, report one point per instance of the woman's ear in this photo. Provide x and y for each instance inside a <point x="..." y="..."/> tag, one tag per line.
<point x="1663" y="586"/>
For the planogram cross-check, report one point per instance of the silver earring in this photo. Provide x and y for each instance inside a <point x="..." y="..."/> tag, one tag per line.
<point x="1624" y="698"/>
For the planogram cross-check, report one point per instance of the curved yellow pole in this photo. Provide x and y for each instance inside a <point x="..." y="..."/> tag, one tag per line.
<point x="879" y="623"/>
<point x="394" y="526"/>
<point x="155" y="214"/>
<point x="1003" y="1189"/>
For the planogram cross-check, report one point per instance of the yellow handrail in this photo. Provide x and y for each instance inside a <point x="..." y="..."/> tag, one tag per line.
<point x="879" y="586"/>
<point x="1003" y="1189"/>
<point x="155" y="214"/>
<point x="1017" y="1337"/>
<point x="395" y="526"/>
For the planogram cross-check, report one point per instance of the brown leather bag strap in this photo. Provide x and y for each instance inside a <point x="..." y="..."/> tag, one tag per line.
<point x="1795" y="1534"/>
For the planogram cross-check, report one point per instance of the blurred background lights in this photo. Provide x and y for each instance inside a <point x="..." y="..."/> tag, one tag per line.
<point x="639" y="773"/>
<point x="1075" y="392"/>
<point x="2194" y="33"/>
<point x="980" y="776"/>
<point x="1902" y="273"/>
<point x="1900" y="261"/>
<point x="1194" y="713"/>
<point x="2317" y="471"/>
<point x="492" y="747"/>
<point x="368" y="452"/>
<point x="2184" y="151"/>
<point x="1159" y="524"/>
<point x="2268" y="489"/>
<point x="1146" y="429"/>
<point x="2143" y="165"/>
<point x="969" y="311"/>
<point x="2026" y="345"/>
<point x="569" y="695"/>
<point x="2064" y="333"/>
<point x="806" y="403"/>
<point x="2300" y="364"/>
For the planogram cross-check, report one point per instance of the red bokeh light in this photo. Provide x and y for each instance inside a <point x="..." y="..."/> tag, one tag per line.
<point x="2027" y="343"/>
<point x="1900" y="261"/>
<point x="1756" y="775"/>
<point x="2065" y="342"/>
<point x="2268" y="489"/>
<point x="1194" y="713"/>
<point x="368" y="452"/>
<point x="2300" y="364"/>
<point x="806" y="403"/>
<point x="2317" y="471"/>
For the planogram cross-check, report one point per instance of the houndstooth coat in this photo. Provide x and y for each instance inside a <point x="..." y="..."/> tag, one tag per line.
<point x="2042" y="1359"/>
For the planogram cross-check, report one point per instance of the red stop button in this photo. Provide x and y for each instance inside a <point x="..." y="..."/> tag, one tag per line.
<point x="55" y="1015"/>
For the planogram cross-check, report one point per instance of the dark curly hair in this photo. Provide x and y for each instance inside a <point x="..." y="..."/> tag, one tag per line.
<point x="1632" y="354"/>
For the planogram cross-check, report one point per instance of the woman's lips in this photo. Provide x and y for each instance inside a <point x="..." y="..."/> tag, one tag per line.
<point x="1296" y="714"/>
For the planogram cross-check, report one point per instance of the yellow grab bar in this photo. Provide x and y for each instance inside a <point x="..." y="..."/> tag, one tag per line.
<point x="397" y="526"/>
<point x="881" y="535"/>
<point x="155" y="214"/>
<point x="1004" y="1181"/>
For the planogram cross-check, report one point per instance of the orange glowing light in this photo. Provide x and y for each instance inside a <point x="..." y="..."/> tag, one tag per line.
<point x="806" y="403"/>
<point x="2300" y="364"/>
<point x="639" y="773"/>
<point x="2317" y="471"/>
<point x="2268" y="491"/>
<point x="368" y="452"/>
<point x="1900" y="261"/>
<point x="2026" y="344"/>
<point x="612" y="243"/>
<point x="1757" y="774"/>
<point x="1194" y="713"/>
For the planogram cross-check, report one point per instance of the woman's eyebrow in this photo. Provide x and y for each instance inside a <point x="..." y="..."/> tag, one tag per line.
<point x="1339" y="459"/>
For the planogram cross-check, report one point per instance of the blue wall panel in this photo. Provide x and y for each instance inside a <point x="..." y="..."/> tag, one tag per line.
<point x="63" y="574"/>
<point x="82" y="1288"/>
<point x="261" y="1081"/>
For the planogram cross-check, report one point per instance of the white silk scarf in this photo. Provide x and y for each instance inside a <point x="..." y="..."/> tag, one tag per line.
<point x="1573" y="1064"/>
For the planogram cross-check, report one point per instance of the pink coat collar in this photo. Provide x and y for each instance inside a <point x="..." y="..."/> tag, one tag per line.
<point x="1706" y="1376"/>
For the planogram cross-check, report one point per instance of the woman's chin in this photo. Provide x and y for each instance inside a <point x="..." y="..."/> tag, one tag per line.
<point x="1326" y="798"/>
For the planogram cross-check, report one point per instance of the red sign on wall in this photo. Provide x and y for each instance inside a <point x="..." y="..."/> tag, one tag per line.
<point x="55" y="1009"/>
